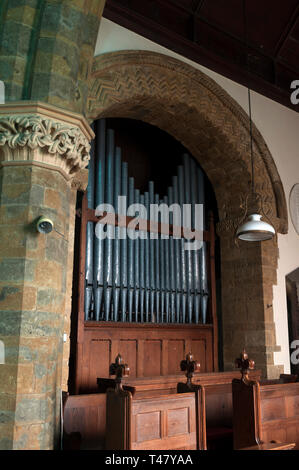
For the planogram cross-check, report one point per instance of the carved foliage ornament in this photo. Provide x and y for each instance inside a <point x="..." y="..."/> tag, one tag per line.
<point x="36" y="131"/>
<point x="261" y="203"/>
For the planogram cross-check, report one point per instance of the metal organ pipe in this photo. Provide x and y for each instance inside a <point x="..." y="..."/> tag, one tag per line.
<point x="181" y="195"/>
<point x="188" y="253"/>
<point x="203" y="251"/>
<point x="130" y="242"/>
<point x="149" y="276"/>
<point x="178" y="286"/>
<point x="88" y="298"/>
<point x="152" y="254"/>
<point x="136" y="243"/>
<point x="108" y="245"/>
<point x="123" y="243"/>
<point x="116" y="252"/>
<point x="147" y="263"/>
<point x="195" y="253"/>
<point x="99" y="199"/>
<point x="173" y="310"/>
<point x="162" y="263"/>
<point x="143" y="262"/>
<point x="167" y="274"/>
<point x="157" y="243"/>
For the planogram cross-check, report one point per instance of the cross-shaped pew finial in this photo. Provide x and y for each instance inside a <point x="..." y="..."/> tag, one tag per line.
<point x="245" y="365"/>
<point x="120" y="370"/>
<point x="190" y="366"/>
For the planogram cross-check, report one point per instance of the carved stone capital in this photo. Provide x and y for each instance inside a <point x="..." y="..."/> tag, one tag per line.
<point x="39" y="133"/>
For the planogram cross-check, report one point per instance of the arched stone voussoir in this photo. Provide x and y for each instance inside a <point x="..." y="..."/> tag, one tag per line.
<point x="194" y="109"/>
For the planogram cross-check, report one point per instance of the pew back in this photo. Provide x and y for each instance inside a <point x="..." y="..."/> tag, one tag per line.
<point x="151" y="423"/>
<point x="265" y="413"/>
<point x="216" y="411"/>
<point x="84" y="422"/>
<point x="280" y="413"/>
<point x="165" y="385"/>
<point x="166" y="422"/>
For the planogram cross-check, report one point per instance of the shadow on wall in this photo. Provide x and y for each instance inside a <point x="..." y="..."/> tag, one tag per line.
<point x="292" y="292"/>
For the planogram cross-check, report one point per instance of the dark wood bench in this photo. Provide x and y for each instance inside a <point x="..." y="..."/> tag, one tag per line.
<point x="217" y="390"/>
<point x="84" y="422"/>
<point x="158" y="422"/>
<point x="85" y="415"/>
<point x="264" y="412"/>
<point x="216" y="393"/>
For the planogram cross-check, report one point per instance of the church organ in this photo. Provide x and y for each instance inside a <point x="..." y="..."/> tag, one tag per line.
<point x="139" y="288"/>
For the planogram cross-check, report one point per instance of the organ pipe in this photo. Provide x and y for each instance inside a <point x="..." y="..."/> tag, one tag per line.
<point x="143" y="263"/>
<point x="123" y="242"/>
<point x="136" y="243"/>
<point x="144" y="278"/>
<point x="130" y="244"/>
<point x="108" y="245"/>
<point x="89" y="292"/>
<point x="99" y="199"/>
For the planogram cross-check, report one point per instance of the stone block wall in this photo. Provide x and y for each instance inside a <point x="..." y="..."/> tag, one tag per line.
<point x="40" y="148"/>
<point x="47" y="48"/>
<point x="33" y="284"/>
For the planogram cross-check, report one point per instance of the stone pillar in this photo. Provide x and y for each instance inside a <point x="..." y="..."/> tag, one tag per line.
<point x="47" y="49"/>
<point x="41" y="148"/>
<point x="248" y="272"/>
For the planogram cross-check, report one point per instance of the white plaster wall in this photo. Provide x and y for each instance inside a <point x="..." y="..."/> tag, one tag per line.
<point x="280" y="129"/>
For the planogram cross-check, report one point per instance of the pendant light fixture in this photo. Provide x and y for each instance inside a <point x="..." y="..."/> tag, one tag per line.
<point x="252" y="228"/>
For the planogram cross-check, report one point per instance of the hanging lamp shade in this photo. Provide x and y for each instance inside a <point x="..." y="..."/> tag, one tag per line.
<point x="254" y="229"/>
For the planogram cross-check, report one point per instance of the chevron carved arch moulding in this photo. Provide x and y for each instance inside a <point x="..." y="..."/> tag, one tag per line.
<point x="190" y="106"/>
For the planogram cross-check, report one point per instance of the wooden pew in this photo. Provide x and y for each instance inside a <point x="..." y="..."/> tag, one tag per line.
<point x="84" y="422"/>
<point x="264" y="412"/>
<point x="272" y="446"/>
<point x="85" y="415"/>
<point x="167" y="421"/>
<point x="216" y="391"/>
<point x="216" y="413"/>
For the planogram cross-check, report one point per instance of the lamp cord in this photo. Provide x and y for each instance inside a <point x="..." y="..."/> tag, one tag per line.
<point x="251" y="143"/>
<point x="249" y="97"/>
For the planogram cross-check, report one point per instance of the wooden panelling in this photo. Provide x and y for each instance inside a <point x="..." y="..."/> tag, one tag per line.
<point x="178" y="421"/>
<point x="198" y="348"/>
<point x="165" y="422"/>
<point x="152" y="358"/>
<point x="99" y="358"/>
<point x="219" y="405"/>
<point x="175" y="354"/>
<point x="150" y="350"/>
<point x="273" y="408"/>
<point x="85" y="421"/>
<point x="148" y="426"/>
<point x="265" y="412"/>
<point x="128" y="349"/>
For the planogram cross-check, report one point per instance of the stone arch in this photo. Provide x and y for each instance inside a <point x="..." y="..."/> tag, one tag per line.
<point x="190" y="106"/>
<point x="161" y="90"/>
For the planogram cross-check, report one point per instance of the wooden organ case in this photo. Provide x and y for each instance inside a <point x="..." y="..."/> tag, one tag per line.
<point x="148" y="299"/>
